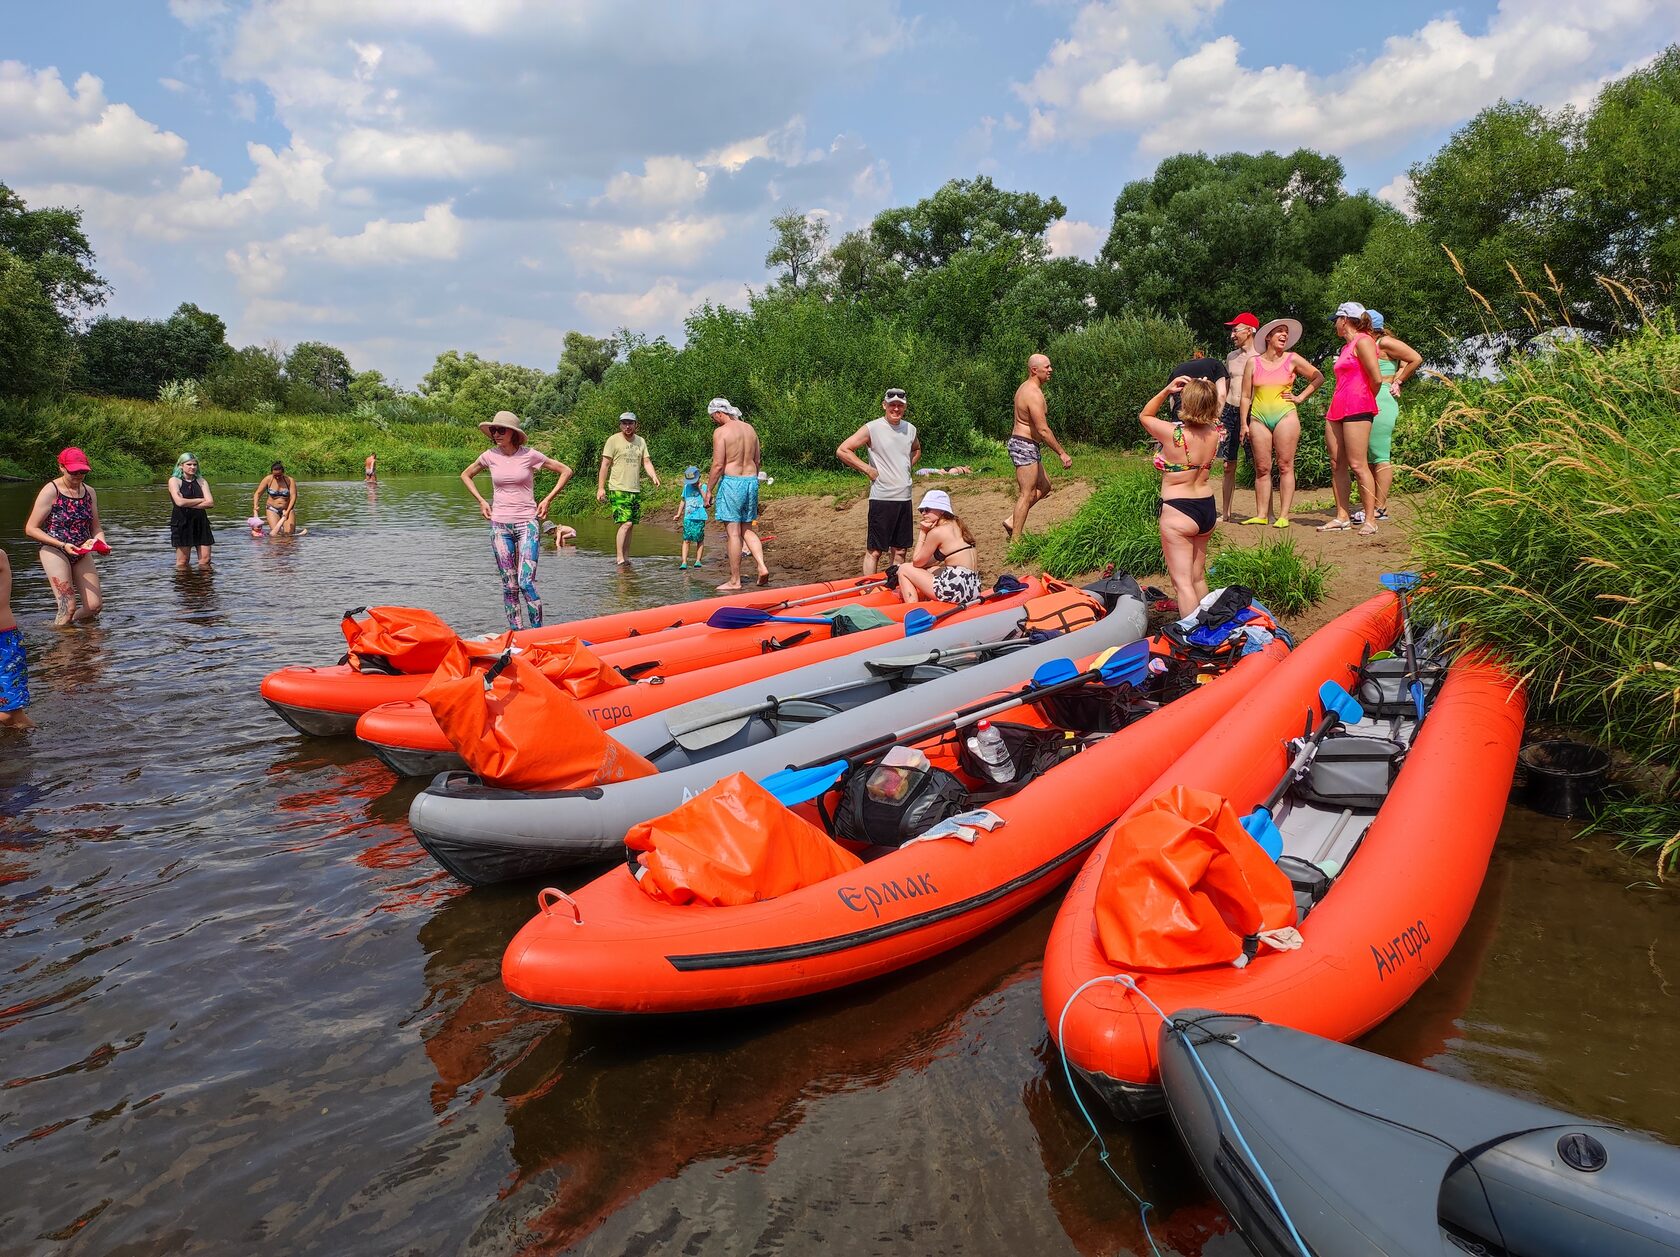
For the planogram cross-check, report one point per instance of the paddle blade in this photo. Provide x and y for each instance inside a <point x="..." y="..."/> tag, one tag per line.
<point x="1127" y="665"/>
<point x="1054" y="672"/>
<point x="1263" y="829"/>
<point x="801" y="785"/>
<point x="918" y="620"/>
<point x="1338" y="702"/>
<point x="1399" y="581"/>
<point x="737" y="617"/>
<point x="1417" y="697"/>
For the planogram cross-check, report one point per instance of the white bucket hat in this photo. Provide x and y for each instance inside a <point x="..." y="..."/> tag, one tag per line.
<point x="722" y="404"/>
<point x="504" y="419"/>
<point x="936" y="500"/>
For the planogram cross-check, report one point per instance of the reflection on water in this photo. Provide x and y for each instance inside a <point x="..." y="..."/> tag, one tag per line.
<point x="239" y="1008"/>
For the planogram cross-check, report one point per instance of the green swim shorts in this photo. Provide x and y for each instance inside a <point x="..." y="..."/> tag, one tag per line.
<point x="626" y="506"/>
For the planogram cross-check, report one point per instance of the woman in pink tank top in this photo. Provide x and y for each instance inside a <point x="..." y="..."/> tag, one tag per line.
<point x="1347" y="426"/>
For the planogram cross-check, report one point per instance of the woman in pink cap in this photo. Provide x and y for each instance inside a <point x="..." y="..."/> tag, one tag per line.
<point x="65" y="521"/>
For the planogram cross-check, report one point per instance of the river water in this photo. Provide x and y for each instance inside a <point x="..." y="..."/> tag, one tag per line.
<point x="241" y="1010"/>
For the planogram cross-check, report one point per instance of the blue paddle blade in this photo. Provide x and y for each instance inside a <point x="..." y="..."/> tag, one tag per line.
<point x="918" y="620"/>
<point x="1263" y="829"/>
<point x="801" y="785"/>
<point x="1129" y="664"/>
<point x="1417" y="697"/>
<point x="1398" y="581"/>
<point x="1338" y="701"/>
<point x="1055" y="671"/>
<point x="747" y="617"/>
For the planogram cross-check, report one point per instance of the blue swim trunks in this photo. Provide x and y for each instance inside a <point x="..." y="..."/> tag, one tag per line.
<point x="737" y="500"/>
<point x="14" y="672"/>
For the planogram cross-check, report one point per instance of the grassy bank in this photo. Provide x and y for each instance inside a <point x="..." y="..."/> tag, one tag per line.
<point x="1551" y="538"/>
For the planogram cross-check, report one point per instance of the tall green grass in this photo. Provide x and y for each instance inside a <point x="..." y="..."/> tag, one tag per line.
<point x="1117" y="524"/>
<point x="1554" y="538"/>
<point x="1285" y="581"/>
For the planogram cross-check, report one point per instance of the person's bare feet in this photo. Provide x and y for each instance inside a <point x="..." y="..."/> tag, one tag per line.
<point x="1009" y="528"/>
<point x="728" y="589"/>
<point x="764" y="577"/>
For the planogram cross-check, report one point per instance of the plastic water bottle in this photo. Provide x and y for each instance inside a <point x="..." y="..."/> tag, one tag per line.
<point x="988" y="747"/>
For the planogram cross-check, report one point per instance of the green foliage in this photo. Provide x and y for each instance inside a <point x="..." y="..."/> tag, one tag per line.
<point x="1106" y="371"/>
<point x="963" y="215"/>
<point x="317" y="378"/>
<point x="51" y="242"/>
<point x="1405" y="274"/>
<point x="247" y="379"/>
<point x="1117" y="525"/>
<point x="587" y="357"/>
<point x="136" y="357"/>
<point x="370" y="386"/>
<point x="1552" y="536"/>
<point x="178" y="395"/>
<point x="35" y="349"/>
<point x="473" y="388"/>
<point x="1284" y="580"/>
<point x="1206" y="237"/>
<point x="800" y="250"/>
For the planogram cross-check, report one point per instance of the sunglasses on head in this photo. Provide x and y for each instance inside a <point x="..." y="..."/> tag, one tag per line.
<point x="894" y="395"/>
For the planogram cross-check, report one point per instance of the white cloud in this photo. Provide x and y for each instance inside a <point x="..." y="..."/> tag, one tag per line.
<point x="368" y="153"/>
<point x="665" y="183"/>
<point x="49" y="132"/>
<point x="673" y="244"/>
<point x="1071" y="238"/>
<point x="197" y="12"/>
<point x="1398" y="193"/>
<point x="172" y="85"/>
<point x="663" y="305"/>
<point x="785" y="144"/>
<point x="1116" y="73"/>
<point x="436" y="236"/>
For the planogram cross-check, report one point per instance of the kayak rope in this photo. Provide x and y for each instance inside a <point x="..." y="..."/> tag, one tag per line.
<point x="1126" y="980"/>
<point x="1144" y="1206"/>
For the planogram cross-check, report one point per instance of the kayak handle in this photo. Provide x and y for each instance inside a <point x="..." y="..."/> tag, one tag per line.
<point x="548" y="896"/>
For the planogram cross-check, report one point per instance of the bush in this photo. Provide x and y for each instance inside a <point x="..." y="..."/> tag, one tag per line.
<point x="1117" y="525"/>
<point x="1106" y="371"/>
<point x="1282" y="578"/>
<point x="178" y="395"/>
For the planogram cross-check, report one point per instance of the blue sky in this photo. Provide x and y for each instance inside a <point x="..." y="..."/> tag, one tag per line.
<point x="401" y="177"/>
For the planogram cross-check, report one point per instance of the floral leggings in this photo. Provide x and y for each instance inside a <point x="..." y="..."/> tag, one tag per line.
<point x="515" y="548"/>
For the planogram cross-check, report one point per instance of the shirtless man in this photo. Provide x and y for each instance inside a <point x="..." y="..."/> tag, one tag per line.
<point x="1032" y="429"/>
<point x="1231" y="415"/>
<point x="732" y="488"/>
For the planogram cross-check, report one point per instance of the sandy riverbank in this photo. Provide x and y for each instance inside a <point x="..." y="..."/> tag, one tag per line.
<point x="808" y="538"/>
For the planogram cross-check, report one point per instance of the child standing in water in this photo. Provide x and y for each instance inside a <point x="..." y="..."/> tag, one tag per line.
<point x="691" y="510"/>
<point x="14" y="666"/>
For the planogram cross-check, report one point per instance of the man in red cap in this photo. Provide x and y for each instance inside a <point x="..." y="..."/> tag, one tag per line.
<point x="1242" y="328"/>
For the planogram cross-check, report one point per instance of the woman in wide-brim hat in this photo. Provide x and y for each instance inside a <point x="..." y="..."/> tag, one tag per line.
<point x="65" y="522"/>
<point x="514" y="513"/>
<point x="943" y="567"/>
<point x="1269" y="398"/>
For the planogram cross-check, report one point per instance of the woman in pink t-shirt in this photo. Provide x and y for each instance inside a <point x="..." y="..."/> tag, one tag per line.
<point x="514" y="511"/>
<point x="1347" y="425"/>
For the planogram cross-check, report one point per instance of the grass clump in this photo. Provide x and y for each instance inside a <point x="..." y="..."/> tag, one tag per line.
<point x="1117" y="524"/>
<point x="1552" y="540"/>
<point x="1287" y="582"/>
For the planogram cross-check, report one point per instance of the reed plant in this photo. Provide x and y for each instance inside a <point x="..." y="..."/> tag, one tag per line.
<point x="1285" y="581"/>
<point x="1551" y="538"/>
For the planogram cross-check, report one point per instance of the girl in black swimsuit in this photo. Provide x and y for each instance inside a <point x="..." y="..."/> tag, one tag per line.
<point x="1188" y="513"/>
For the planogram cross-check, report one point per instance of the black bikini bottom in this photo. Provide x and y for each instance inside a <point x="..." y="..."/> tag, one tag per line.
<point x="1201" y="511"/>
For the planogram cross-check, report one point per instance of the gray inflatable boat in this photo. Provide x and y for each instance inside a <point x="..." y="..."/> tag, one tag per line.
<point x="482" y="834"/>
<point x="1305" y="1140"/>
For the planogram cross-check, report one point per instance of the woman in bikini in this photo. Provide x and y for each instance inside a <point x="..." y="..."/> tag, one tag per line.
<point x="1347" y="425"/>
<point x="65" y="521"/>
<point x="1188" y="513"/>
<point x="1268" y="397"/>
<point x="1397" y="361"/>
<point x="282" y="495"/>
<point x="943" y="567"/>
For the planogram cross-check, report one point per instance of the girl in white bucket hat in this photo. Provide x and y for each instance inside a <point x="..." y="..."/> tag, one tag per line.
<point x="943" y="568"/>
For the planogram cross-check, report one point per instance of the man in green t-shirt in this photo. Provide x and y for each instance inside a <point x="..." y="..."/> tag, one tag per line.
<point x="620" y="483"/>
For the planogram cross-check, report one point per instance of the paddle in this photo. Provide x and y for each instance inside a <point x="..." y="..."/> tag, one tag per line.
<point x="1340" y="708"/>
<point x="747" y="617"/>
<point x="1401" y="583"/>
<point x="1126" y="665"/>
<point x="916" y="620"/>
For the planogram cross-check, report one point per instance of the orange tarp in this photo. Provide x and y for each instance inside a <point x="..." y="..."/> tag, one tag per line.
<point x="413" y="640"/>
<point x="521" y="731"/>
<point x="733" y="844"/>
<point x="1185" y="884"/>
<point x="566" y="661"/>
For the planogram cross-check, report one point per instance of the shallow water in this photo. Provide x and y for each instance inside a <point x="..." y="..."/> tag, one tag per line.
<point x="239" y="1007"/>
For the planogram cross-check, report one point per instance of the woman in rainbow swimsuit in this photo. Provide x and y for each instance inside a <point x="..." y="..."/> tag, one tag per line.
<point x="1268" y="397"/>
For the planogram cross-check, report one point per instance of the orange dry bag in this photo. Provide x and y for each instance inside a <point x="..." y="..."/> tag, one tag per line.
<point x="395" y="640"/>
<point x="1185" y="886"/>
<point x="734" y="843"/>
<point x="566" y="661"/>
<point x="517" y="730"/>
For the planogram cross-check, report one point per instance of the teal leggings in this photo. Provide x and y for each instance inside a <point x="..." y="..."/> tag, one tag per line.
<point x="515" y="548"/>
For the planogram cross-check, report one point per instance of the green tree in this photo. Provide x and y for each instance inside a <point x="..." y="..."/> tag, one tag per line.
<point x="589" y="355"/>
<point x="194" y="341"/>
<point x="245" y="377"/>
<point x="1205" y="237"/>
<point x="1406" y="275"/>
<point x="864" y="272"/>
<point x="800" y="251"/>
<point x="963" y="214"/>
<point x="370" y="386"/>
<point x="557" y="395"/>
<point x="317" y="376"/>
<point x="35" y="349"/>
<point x="52" y="242"/>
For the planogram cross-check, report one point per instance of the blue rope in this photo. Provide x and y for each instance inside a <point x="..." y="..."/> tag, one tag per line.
<point x="1127" y="981"/>
<point x="1144" y="1206"/>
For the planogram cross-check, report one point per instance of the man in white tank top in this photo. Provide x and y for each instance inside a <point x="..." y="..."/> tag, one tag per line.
<point x="894" y="448"/>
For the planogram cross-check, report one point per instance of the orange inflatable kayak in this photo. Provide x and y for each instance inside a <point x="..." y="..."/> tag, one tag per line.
<point x="325" y="700"/>
<point x="1385" y="838"/>
<point x="611" y="948"/>
<point x="406" y="736"/>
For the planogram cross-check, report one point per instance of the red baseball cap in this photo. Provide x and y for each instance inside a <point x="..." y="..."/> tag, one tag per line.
<point x="1246" y="319"/>
<point x="72" y="459"/>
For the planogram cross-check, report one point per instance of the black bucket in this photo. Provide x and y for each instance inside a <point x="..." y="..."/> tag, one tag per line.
<point x="1563" y="776"/>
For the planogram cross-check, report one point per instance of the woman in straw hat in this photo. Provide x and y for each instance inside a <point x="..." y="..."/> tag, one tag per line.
<point x="1269" y="398"/>
<point x="514" y="513"/>
<point x="943" y="567"/>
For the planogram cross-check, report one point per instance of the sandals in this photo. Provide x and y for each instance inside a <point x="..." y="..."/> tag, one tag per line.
<point x="1260" y="520"/>
<point x="1336" y="525"/>
<point x="1370" y="530"/>
<point x="1281" y="523"/>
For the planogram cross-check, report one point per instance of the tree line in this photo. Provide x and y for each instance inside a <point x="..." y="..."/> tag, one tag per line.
<point x="1524" y="220"/>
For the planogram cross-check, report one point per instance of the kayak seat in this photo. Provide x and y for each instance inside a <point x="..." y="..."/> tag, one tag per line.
<point x="1384" y="686"/>
<point x="795" y="713"/>
<point x="1351" y="771"/>
<point x="920" y="673"/>
<point x="1309" y="882"/>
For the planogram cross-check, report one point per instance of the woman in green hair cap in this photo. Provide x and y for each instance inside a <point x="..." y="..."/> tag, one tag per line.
<point x="189" y="521"/>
